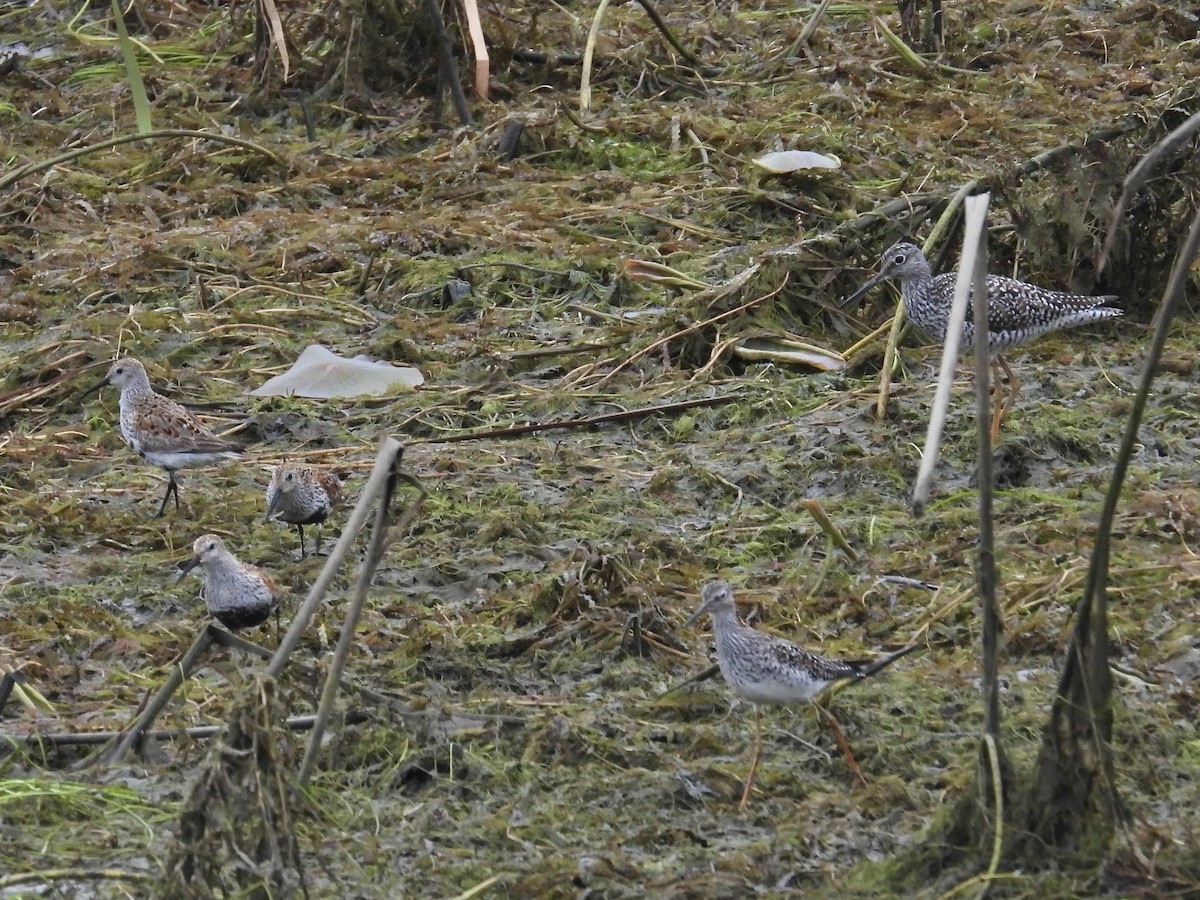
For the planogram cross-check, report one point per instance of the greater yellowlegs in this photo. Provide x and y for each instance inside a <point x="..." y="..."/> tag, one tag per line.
<point x="762" y="669"/>
<point x="1018" y="312"/>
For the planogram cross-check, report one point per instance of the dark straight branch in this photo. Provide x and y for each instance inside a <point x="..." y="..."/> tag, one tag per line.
<point x="623" y="416"/>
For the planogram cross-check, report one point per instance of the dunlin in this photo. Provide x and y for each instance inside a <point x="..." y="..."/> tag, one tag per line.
<point x="762" y="669"/>
<point x="237" y="595"/>
<point x="301" y="495"/>
<point x="1017" y="312"/>
<point x="160" y="430"/>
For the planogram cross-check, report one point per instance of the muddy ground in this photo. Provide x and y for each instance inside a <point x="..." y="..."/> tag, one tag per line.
<point x="547" y="759"/>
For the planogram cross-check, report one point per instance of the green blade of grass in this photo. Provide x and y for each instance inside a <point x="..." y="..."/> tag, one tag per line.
<point x="137" y="89"/>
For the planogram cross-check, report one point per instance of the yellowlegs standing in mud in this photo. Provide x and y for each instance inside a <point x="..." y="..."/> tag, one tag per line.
<point x="1018" y="312"/>
<point x="765" y="669"/>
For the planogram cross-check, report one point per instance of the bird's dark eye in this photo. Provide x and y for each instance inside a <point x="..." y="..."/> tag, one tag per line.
<point x="898" y="259"/>
<point x="120" y="370"/>
<point x="211" y="546"/>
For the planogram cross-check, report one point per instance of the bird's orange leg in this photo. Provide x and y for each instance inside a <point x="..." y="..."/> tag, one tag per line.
<point x="997" y="403"/>
<point x="1005" y="404"/>
<point x="842" y="743"/>
<point x="754" y="761"/>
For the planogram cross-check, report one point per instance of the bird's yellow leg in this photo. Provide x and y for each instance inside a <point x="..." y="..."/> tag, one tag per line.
<point x="843" y="745"/>
<point x="1014" y="386"/>
<point x="754" y="761"/>
<point x="1003" y="402"/>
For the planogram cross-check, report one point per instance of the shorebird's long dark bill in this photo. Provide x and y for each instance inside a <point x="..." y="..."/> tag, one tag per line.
<point x="95" y="387"/>
<point x="878" y="664"/>
<point x="862" y="290"/>
<point x="704" y="607"/>
<point x="187" y="567"/>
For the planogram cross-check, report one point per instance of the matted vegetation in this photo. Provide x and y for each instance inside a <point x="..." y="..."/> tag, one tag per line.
<point x="546" y="753"/>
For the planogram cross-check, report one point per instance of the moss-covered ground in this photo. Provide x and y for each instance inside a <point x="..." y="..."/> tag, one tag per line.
<point x="551" y="756"/>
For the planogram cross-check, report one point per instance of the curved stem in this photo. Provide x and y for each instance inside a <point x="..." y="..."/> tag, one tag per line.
<point x="42" y="165"/>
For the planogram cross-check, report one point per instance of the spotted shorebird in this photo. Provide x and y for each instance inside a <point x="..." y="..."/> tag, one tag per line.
<point x="160" y="430"/>
<point x="238" y="595"/>
<point x="1018" y="312"/>
<point x="764" y="669"/>
<point x="302" y="495"/>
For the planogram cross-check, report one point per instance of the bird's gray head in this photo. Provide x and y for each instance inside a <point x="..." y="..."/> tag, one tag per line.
<point x="286" y="479"/>
<point x="715" y="597"/>
<point x="901" y="261"/>
<point x="123" y="372"/>
<point x="126" y="371"/>
<point x="206" y="548"/>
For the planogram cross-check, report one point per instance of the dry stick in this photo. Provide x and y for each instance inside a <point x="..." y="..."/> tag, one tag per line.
<point x="907" y="53"/>
<point x="889" y="359"/>
<point x="449" y="72"/>
<point x="589" y="50"/>
<point x="1092" y="622"/>
<point x="479" y="42"/>
<point x="389" y="450"/>
<point x="41" y="165"/>
<point x="865" y="343"/>
<point x="366" y="574"/>
<point x="7" y="683"/>
<point x="843" y="745"/>
<point x="950" y="213"/>
<point x="817" y="511"/>
<point x="131" y="736"/>
<point x="1157" y="155"/>
<point x="975" y="257"/>
<point x="86" y="738"/>
<point x="811" y="25"/>
<point x="666" y="32"/>
<point x="976" y="222"/>
<point x="991" y="743"/>
<point x="977" y="242"/>
<point x="625" y="416"/>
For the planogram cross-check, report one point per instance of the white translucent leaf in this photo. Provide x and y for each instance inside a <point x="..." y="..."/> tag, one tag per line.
<point x="778" y="348"/>
<point x="785" y="161"/>
<point x="321" y="374"/>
